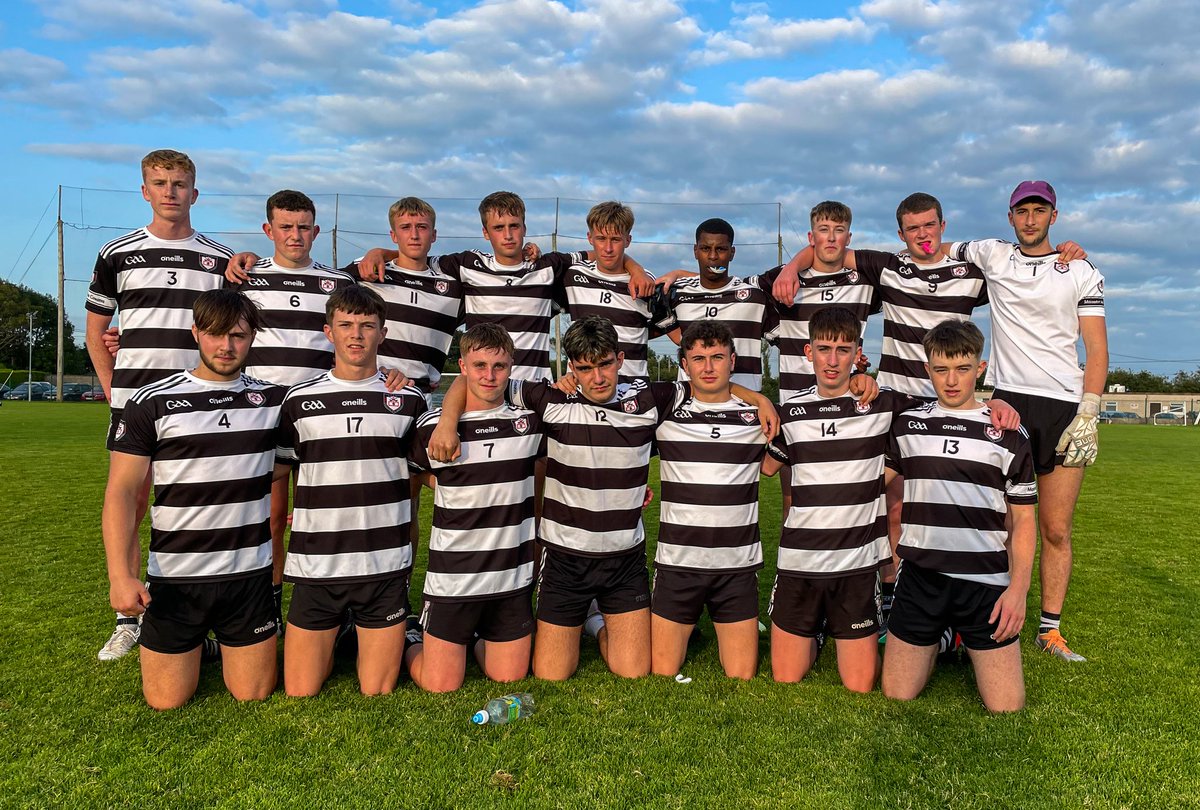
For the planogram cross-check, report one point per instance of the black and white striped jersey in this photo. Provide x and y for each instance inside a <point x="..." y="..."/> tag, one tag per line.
<point x="153" y="283"/>
<point x="1037" y="302"/>
<point x="519" y="298"/>
<point x="598" y="459"/>
<point x="835" y="447"/>
<point x="960" y="474"/>
<point x="916" y="298"/>
<point x="481" y="542"/>
<point x="424" y="308"/>
<point x="856" y="290"/>
<point x="291" y="347"/>
<point x="743" y="307"/>
<point x="589" y="291"/>
<point x="212" y="451"/>
<point x="351" y="515"/>
<point x="710" y="455"/>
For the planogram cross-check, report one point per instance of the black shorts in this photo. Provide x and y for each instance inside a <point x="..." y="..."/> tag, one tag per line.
<point x="378" y="603"/>
<point x="845" y="607"/>
<point x="680" y="595"/>
<point x="113" y="420"/>
<point x="1044" y="419"/>
<point x="568" y="583"/>
<point x="503" y="618"/>
<point x="240" y="612"/>
<point x="926" y="602"/>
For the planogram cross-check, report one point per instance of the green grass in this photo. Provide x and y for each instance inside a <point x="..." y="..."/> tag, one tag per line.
<point x="1122" y="730"/>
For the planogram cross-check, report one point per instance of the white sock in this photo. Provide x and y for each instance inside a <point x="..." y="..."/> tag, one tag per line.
<point x="593" y="623"/>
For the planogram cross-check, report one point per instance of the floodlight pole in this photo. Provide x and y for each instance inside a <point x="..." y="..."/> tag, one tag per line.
<point x="58" y="375"/>
<point x="337" y="201"/>
<point x="557" y="318"/>
<point x="29" y="378"/>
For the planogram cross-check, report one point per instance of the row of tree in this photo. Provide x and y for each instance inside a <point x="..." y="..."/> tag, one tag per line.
<point x="16" y="302"/>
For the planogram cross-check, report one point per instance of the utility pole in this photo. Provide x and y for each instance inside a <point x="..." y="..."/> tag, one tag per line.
<point x="29" y="379"/>
<point x="62" y="319"/>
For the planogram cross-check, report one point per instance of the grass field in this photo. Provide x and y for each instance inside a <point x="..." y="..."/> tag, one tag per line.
<point x="1122" y="730"/>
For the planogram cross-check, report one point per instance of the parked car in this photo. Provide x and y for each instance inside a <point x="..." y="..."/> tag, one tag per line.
<point x="22" y="390"/>
<point x="72" y="392"/>
<point x="1111" y="417"/>
<point x="95" y="394"/>
<point x="1167" y="418"/>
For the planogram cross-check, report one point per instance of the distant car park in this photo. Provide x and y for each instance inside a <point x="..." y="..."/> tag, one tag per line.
<point x="95" y="394"/>
<point x="1119" y="417"/>
<point x="1168" y="418"/>
<point x="22" y="390"/>
<point x="72" y="392"/>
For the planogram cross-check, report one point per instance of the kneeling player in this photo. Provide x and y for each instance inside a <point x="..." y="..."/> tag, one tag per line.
<point x="480" y="576"/>
<point x="961" y="477"/>
<point x="350" y="549"/>
<point x="207" y="435"/>
<point x="710" y="450"/>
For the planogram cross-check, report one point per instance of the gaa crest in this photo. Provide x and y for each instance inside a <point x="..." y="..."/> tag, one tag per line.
<point x="521" y="425"/>
<point x="994" y="433"/>
<point x="441" y="287"/>
<point x="392" y="402"/>
<point x="629" y="406"/>
<point x="327" y="285"/>
<point x="742" y="294"/>
<point x="255" y="398"/>
<point x="208" y="262"/>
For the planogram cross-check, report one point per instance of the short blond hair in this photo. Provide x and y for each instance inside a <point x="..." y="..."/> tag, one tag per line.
<point x="168" y="159"/>
<point x="411" y="205"/>
<point x="610" y="216"/>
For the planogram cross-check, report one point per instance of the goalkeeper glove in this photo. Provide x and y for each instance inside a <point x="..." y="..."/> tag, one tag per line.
<point x="1079" y="442"/>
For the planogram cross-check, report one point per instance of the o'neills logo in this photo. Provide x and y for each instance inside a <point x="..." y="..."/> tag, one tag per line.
<point x="521" y="425"/>
<point x="327" y="285"/>
<point x="208" y="262"/>
<point x="629" y="406"/>
<point x="255" y="398"/>
<point x="392" y="403"/>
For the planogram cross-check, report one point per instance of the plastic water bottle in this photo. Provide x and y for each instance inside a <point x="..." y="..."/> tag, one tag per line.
<point x="505" y="709"/>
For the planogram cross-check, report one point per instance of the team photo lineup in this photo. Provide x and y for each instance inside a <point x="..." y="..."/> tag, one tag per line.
<point x="282" y="414"/>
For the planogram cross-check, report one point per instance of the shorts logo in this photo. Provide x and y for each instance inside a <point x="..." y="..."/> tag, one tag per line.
<point x="120" y="434"/>
<point x="327" y="285"/>
<point x="749" y="417"/>
<point x="629" y="406"/>
<point x="392" y="403"/>
<point x="959" y="271"/>
<point x="258" y="631"/>
<point x="393" y="616"/>
<point x="1062" y="267"/>
<point x="865" y="623"/>
<point x="742" y="295"/>
<point x="521" y="425"/>
<point x="255" y="398"/>
<point x="862" y="407"/>
<point x="441" y="287"/>
<point x="853" y="277"/>
<point x="208" y="262"/>
<point x="993" y="433"/>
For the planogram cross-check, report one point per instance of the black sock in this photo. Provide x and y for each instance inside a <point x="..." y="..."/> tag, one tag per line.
<point x="1049" y="622"/>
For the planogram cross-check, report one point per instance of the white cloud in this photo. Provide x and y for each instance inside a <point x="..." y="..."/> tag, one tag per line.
<point x="759" y="36"/>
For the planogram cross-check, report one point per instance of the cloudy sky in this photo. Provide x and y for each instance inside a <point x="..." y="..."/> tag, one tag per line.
<point x="685" y="109"/>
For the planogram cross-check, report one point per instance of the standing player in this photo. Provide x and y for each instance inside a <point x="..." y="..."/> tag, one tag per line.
<point x="152" y="276"/>
<point x="290" y="290"/>
<point x="207" y="436"/>
<point x="1042" y="305"/>
<point x="708" y="553"/>
<point x="602" y="287"/>
<point x="716" y="296"/>
<point x="505" y="288"/>
<point x="963" y="477"/>
<point x="599" y="441"/>
<point x="481" y="547"/>
<point x="350" y="547"/>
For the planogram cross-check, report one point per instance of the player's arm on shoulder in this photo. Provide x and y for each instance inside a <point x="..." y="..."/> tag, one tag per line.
<point x="393" y="379"/>
<point x="1009" y="613"/>
<point x="768" y="416"/>
<point x="567" y="383"/>
<point x="444" y="445"/>
<point x="372" y="265"/>
<point x="1070" y="251"/>
<point x="641" y="283"/>
<point x="126" y="474"/>
<point x="103" y="360"/>
<point x="667" y="279"/>
<point x="1004" y="416"/>
<point x="238" y="269"/>
<point x="864" y="387"/>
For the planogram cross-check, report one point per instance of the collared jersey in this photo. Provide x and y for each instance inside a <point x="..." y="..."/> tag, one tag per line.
<point x="1037" y="302"/>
